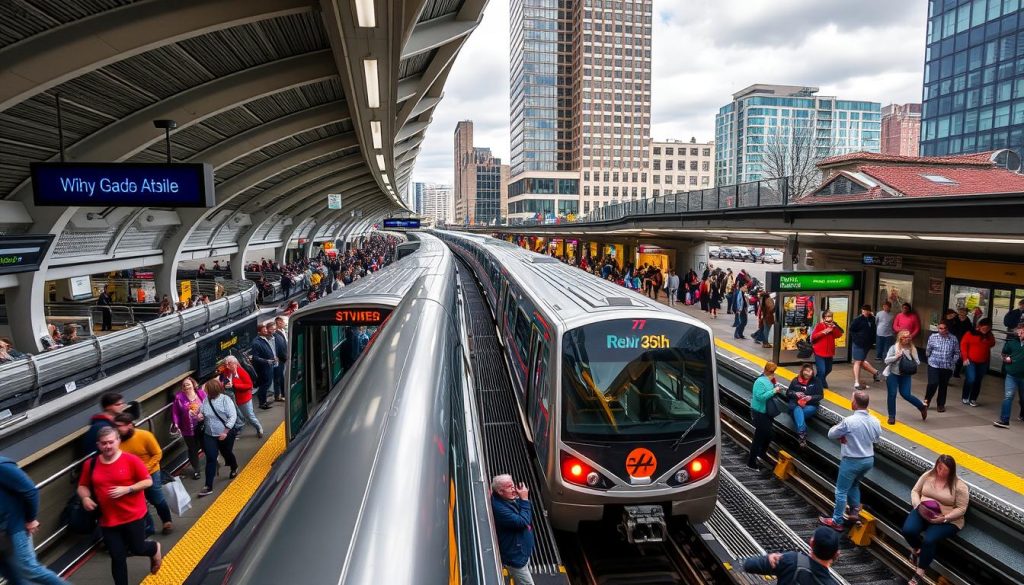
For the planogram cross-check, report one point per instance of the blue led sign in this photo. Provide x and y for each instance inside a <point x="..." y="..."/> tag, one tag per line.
<point x="122" y="184"/>
<point x="405" y="224"/>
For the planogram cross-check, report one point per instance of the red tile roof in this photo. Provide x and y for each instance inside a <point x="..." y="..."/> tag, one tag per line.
<point x="910" y="181"/>
<point x="975" y="159"/>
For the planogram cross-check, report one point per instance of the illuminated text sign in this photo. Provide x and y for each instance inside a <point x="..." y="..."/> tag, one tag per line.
<point x="122" y="184"/>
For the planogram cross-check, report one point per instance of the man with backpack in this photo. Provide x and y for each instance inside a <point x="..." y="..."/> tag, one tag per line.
<point x="19" y="506"/>
<point x="797" y="568"/>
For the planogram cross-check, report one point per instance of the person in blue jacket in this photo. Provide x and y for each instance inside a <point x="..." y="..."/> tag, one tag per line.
<point x="513" y="521"/>
<point x="797" y="568"/>
<point x="19" y="505"/>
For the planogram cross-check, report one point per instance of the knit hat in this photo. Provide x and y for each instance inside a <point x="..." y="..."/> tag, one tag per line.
<point x="826" y="543"/>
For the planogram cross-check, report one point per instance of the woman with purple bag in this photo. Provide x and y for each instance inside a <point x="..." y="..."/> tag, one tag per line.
<point x="940" y="502"/>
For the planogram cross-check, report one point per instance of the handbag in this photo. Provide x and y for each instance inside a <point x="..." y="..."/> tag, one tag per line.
<point x="804" y="349"/>
<point x="177" y="496"/>
<point x="907" y="366"/>
<point x="771" y="407"/>
<point x="80" y="520"/>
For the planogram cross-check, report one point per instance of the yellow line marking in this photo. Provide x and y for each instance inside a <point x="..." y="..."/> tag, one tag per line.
<point x="184" y="556"/>
<point x="983" y="468"/>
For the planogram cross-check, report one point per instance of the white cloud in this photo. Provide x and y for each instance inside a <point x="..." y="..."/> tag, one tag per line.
<point x="703" y="52"/>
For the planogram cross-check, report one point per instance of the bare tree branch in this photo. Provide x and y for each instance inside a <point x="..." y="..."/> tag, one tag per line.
<point x="794" y="152"/>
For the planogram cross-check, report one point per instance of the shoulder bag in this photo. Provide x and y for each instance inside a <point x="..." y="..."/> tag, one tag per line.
<point x="80" y="520"/>
<point x="907" y="365"/>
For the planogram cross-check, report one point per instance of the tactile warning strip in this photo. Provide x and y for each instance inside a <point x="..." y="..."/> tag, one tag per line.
<point x="182" y="559"/>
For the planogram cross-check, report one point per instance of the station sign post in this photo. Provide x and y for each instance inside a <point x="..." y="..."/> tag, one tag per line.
<point x="800" y="298"/>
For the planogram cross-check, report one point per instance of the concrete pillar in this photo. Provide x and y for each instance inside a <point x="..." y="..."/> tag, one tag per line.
<point x="237" y="263"/>
<point x="25" y="311"/>
<point x="791" y="251"/>
<point x="165" y="279"/>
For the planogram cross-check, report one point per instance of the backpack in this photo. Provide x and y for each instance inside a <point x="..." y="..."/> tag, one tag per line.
<point x="803" y="574"/>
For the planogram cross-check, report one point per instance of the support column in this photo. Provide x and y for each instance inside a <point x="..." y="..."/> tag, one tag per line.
<point x="237" y="262"/>
<point x="792" y="251"/>
<point x="25" y="311"/>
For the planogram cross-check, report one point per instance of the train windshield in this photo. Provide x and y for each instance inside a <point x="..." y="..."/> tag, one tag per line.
<point x="628" y="380"/>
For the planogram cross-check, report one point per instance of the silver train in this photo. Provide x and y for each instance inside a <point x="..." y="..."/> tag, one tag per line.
<point x="368" y="490"/>
<point x="617" y="393"/>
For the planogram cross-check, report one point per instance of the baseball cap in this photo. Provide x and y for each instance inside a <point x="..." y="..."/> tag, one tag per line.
<point x="826" y="543"/>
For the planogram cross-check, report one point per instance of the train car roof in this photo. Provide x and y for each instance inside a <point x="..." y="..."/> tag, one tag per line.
<point x="389" y="285"/>
<point x="566" y="290"/>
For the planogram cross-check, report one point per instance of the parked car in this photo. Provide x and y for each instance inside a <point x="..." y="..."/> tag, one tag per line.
<point x="739" y="254"/>
<point x="715" y="251"/>
<point x="772" y="257"/>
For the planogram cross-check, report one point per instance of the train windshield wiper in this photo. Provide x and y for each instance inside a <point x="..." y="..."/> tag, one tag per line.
<point x="682" y="437"/>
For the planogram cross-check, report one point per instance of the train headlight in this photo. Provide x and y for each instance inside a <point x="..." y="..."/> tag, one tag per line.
<point x="593" y="479"/>
<point x="682" y="476"/>
<point x="696" y="469"/>
<point x="575" y="471"/>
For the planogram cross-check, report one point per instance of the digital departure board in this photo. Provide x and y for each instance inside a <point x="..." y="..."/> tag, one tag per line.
<point x="402" y="224"/>
<point x="212" y="349"/>
<point x="23" y="253"/>
<point x="122" y="184"/>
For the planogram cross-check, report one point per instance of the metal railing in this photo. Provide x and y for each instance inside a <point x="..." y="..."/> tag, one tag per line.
<point x="29" y="382"/>
<point x="764" y="193"/>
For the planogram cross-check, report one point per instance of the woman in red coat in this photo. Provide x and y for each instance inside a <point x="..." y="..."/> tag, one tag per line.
<point x="823" y="338"/>
<point x="975" y="349"/>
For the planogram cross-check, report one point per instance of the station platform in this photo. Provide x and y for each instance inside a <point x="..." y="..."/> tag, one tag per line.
<point x="989" y="457"/>
<point x="196" y="531"/>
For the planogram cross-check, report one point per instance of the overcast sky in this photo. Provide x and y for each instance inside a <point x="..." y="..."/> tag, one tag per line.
<point x="704" y="51"/>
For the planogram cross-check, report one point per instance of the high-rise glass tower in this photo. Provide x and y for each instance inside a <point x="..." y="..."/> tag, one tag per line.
<point x="580" y="104"/>
<point x="788" y="125"/>
<point x="973" y="77"/>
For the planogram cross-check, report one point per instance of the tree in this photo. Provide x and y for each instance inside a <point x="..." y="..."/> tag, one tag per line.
<point x="794" y="152"/>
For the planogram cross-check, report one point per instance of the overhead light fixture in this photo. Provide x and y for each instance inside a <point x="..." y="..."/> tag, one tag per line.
<point x="372" y="83"/>
<point x="870" y="236"/>
<point x="387" y="181"/>
<point x="380" y="162"/>
<point x="971" y="239"/>
<point x="375" y="132"/>
<point x="366" y="16"/>
<point x="759" y="232"/>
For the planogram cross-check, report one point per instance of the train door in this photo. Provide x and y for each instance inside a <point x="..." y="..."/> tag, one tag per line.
<point x="537" y="401"/>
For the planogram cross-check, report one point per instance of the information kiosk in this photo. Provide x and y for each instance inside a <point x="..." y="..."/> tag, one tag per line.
<point x="800" y="298"/>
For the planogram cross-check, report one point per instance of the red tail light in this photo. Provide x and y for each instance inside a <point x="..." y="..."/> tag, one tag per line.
<point x="701" y="465"/>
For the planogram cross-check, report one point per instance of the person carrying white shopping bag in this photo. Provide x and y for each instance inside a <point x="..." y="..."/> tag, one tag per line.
<point x="177" y="496"/>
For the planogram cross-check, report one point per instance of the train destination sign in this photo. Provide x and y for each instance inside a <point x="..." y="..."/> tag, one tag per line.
<point x="813" y="281"/>
<point x="123" y="184"/>
<point x="22" y="253"/>
<point x="350" y="317"/>
<point x="405" y="224"/>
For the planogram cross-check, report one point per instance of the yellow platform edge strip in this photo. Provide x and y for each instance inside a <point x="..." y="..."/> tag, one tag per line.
<point x="184" y="556"/>
<point x="965" y="460"/>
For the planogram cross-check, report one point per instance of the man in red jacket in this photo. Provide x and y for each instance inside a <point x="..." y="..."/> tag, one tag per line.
<point x="823" y="338"/>
<point x="975" y="349"/>
<point x="236" y="379"/>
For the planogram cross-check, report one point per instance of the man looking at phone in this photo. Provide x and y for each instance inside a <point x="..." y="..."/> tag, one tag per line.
<point x="513" y="519"/>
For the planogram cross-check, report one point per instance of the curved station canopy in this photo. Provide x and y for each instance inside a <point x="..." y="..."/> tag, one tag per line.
<point x="287" y="100"/>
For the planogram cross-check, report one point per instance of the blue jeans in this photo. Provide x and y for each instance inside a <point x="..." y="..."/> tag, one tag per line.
<point x="246" y="414"/>
<point x="851" y="472"/>
<point x="801" y="414"/>
<point x="926" y="536"/>
<point x="20" y="566"/>
<point x="883" y="344"/>
<point x="1012" y="385"/>
<point x="155" y="496"/>
<point x="822" y="368"/>
<point x="900" y="383"/>
<point x="973" y="374"/>
<point x="740" y="322"/>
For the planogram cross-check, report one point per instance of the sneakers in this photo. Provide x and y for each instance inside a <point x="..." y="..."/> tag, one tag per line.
<point x="876" y="377"/>
<point x="205" y="492"/>
<point x="168" y="528"/>
<point x="1001" y="424"/>
<point x="965" y="401"/>
<point x="195" y="475"/>
<point x="803" y="440"/>
<point x="859" y="387"/>
<point x="974" y="403"/>
<point x="828" y="521"/>
<point x="892" y="420"/>
<point x="233" y="474"/>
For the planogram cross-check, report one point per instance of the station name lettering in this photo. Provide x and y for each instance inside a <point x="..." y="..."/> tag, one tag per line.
<point x="122" y="185"/>
<point x="10" y="260"/>
<point x="638" y="342"/>
<point x="357" y="316"/>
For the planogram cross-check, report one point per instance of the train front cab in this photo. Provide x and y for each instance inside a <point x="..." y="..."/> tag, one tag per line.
<point x="637" y="429"/>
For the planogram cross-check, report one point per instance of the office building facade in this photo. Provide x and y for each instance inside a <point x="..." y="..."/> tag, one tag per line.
<point x="417" y="197"/>
<point x="678" y="166"/>
<point x="580" y="105"/>
<point x="437" y="203"/>
<point x="901" y="129"/>
<point x="766" y="123"/>
<point x="973" y="98"/>
<point x="480" y="193"/>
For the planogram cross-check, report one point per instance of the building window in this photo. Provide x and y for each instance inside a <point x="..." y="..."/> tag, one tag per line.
<point x="657" y="150"/>
<point x="668" y="165"/>
<point x="707" y="152"/>
<point x="669" y="151"/>
<point x="693" y="165"/>
<point x="693" y="180"/>
<point x="705" y="166"/>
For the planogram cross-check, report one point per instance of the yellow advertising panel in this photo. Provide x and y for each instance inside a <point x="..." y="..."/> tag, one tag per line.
<point x="1001" y="272"/>
<point x="186" y="291"/>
